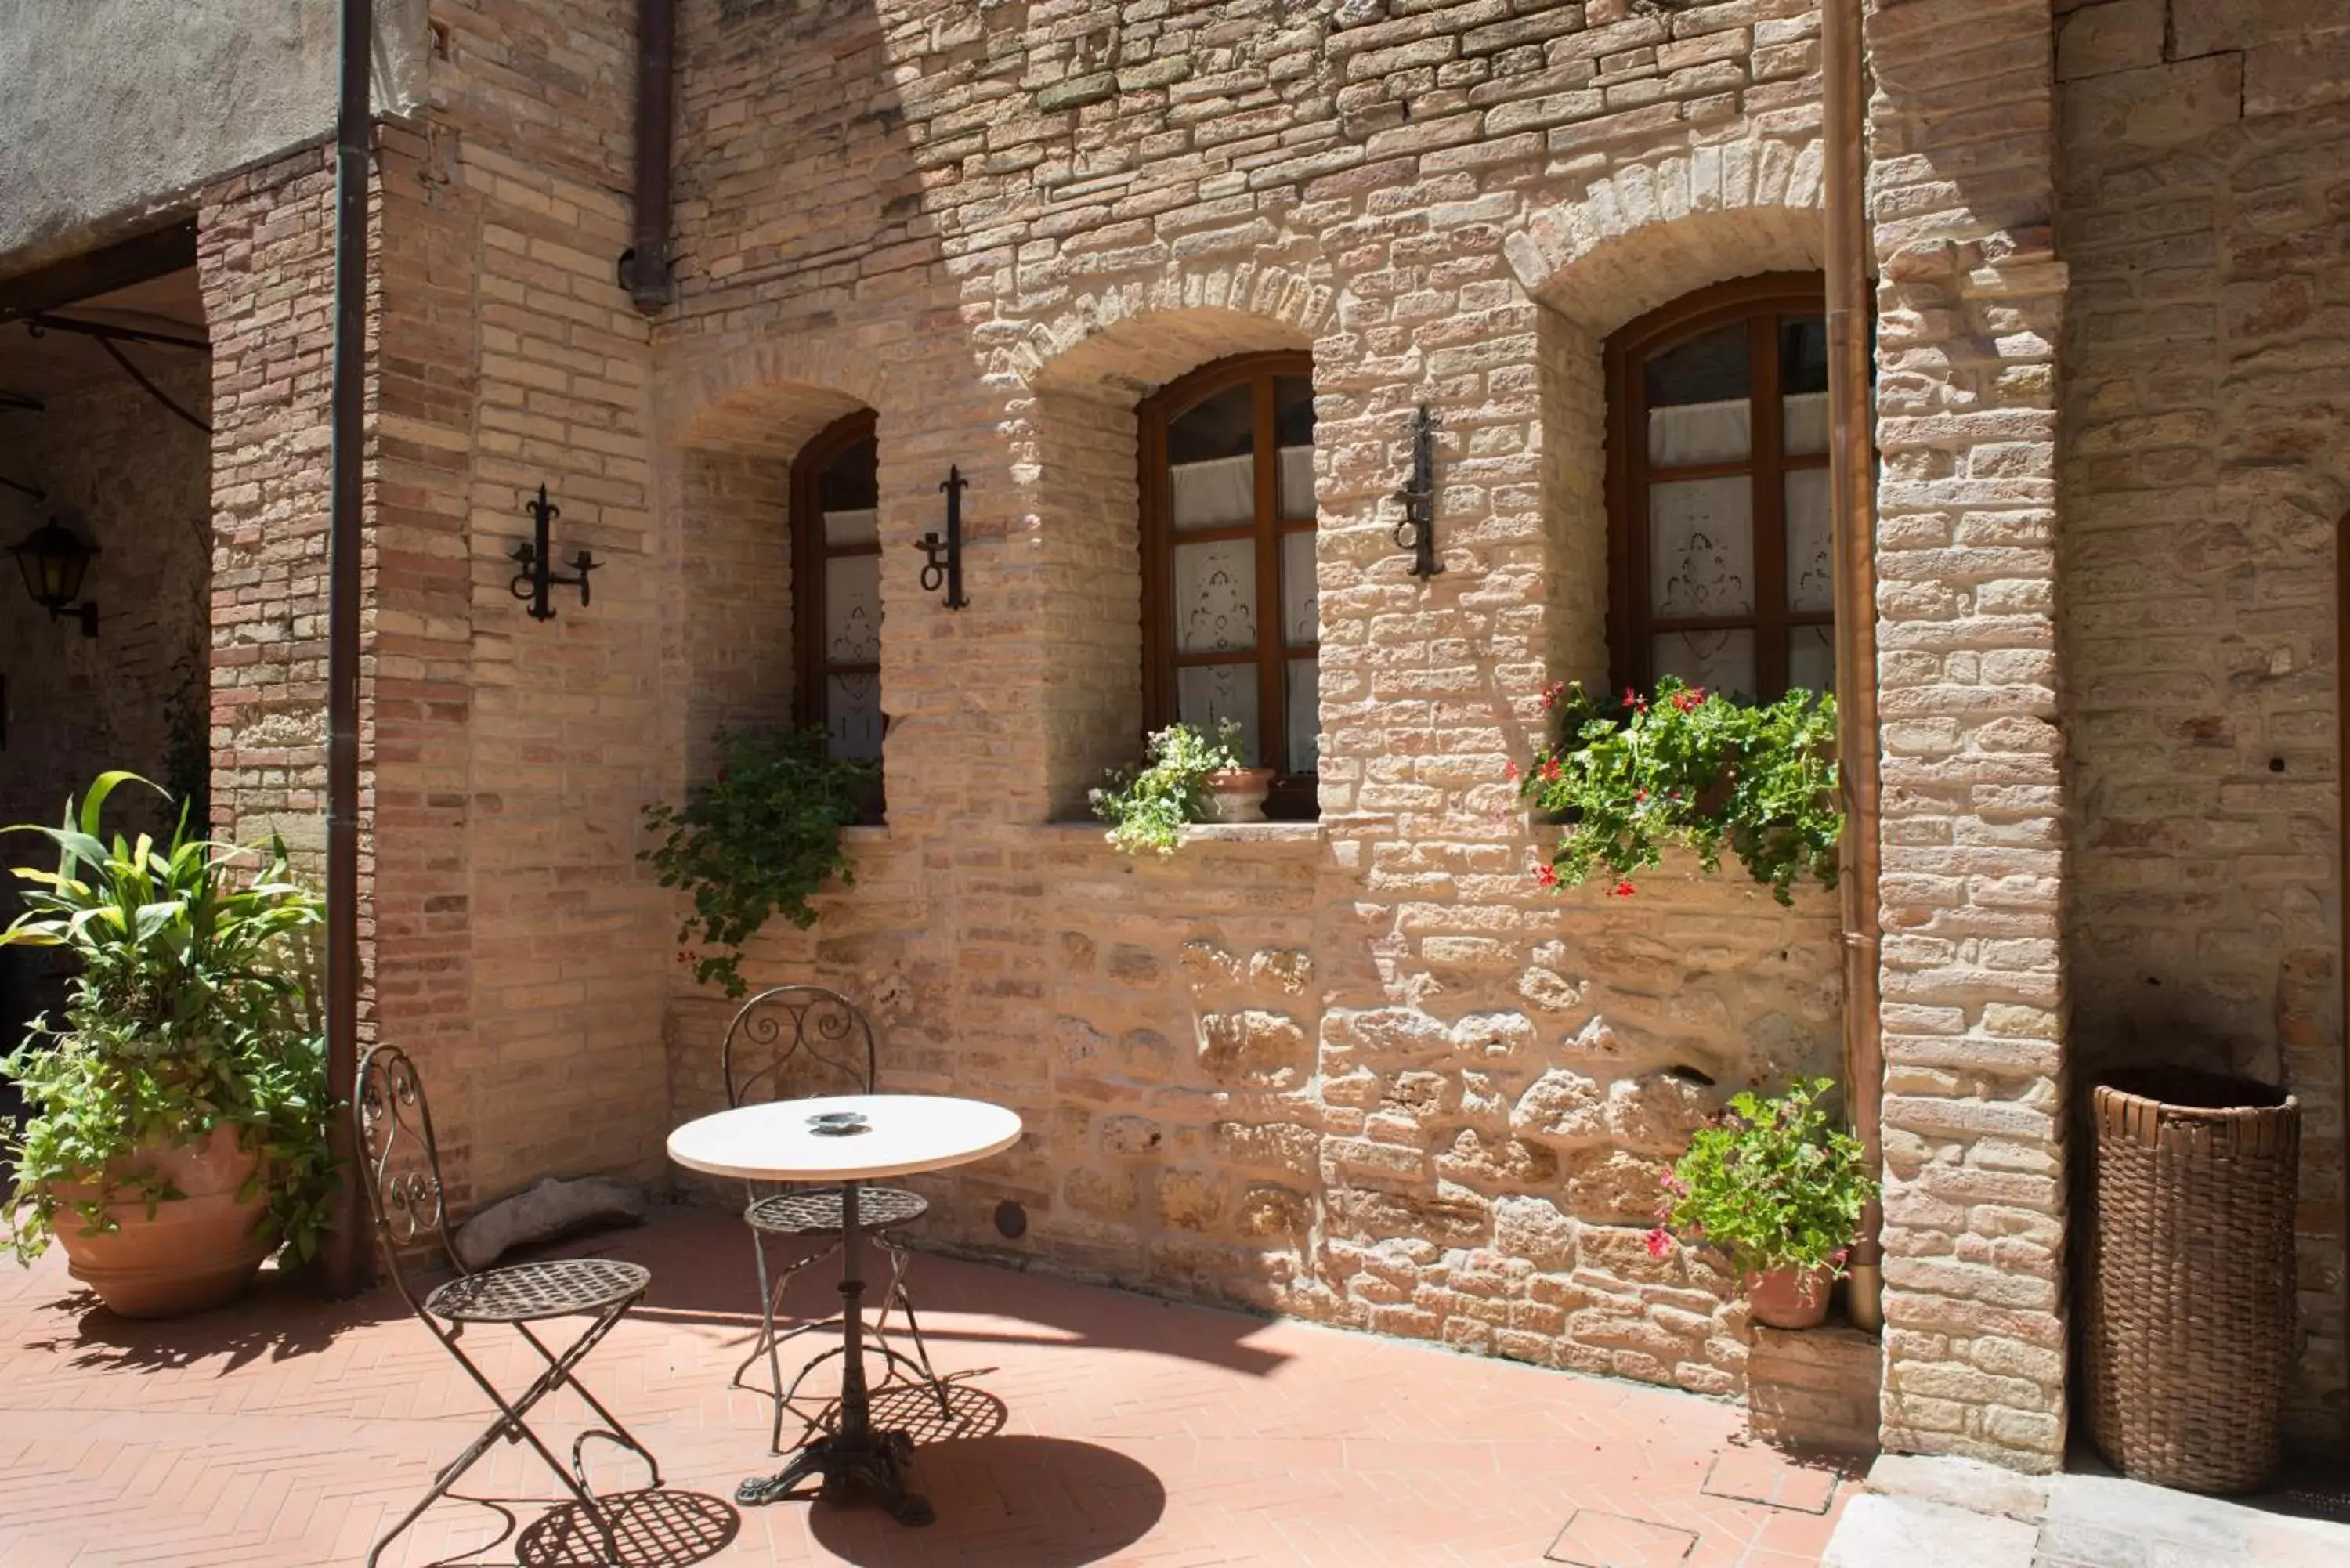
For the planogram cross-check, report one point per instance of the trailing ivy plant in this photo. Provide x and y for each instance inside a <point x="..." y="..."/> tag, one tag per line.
<point x="1148" y="807"/>
<point x="1689" y="769"/>
<point x="1769" y="1181"/>
<point x="757" y="841"/>
<point x="193" y="1009"/>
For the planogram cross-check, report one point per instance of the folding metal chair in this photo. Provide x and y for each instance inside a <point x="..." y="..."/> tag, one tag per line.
<point x="776" y="1043"/>
<point x="400" y="1166"/>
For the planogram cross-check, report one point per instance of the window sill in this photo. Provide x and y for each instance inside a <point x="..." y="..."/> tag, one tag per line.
<point x="1261" y="835"/>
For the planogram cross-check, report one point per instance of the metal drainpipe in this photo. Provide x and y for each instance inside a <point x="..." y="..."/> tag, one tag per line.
<point x="348" y="1259"/>
<point x="1852" y="481"/>
<point x="645" y="270"/>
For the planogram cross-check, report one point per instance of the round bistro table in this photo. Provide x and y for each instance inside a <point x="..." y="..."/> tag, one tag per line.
<point x="849" y="1139"/>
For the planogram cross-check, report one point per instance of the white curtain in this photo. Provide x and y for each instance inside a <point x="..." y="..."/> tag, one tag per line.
<point x="1700" y="432"/>
<point x="1217" y="494"/>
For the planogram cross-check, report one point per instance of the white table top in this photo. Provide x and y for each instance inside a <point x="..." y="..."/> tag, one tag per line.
<point x="905" y="1134"/>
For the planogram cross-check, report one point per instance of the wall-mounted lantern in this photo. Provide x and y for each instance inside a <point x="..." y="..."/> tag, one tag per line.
<point x="1416" y="532"/>
<point x="55" y="559"/>
<point x="945" y="556"/>
<point x="537" y="558"/>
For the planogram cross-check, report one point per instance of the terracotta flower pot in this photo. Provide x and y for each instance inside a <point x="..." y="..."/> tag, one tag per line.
<point x="196" y="1251"/>
<point x="1237" y="794"/>
<point x="1789" y="1298"/>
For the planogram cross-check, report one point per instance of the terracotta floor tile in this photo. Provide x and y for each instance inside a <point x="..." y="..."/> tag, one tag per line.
<point x="1753" y="1473"/>
<point x="1597" y="1540"/>
<point x="1093" y="1426"/>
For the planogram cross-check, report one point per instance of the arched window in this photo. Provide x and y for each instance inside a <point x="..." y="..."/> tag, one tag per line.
<point x="1230" y="621"/>
<point x="836" y="585"/>
<point x="1721" y="548"/>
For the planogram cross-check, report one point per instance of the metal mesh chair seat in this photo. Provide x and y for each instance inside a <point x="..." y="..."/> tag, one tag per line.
<point x="816" y="1211"/>
<point x="526" y="1292"/>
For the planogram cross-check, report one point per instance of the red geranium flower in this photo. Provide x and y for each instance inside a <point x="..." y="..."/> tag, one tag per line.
<point x="1546" y="874"/>
<point x="1621" y="890"/>
<point x="1660" y="1241"/>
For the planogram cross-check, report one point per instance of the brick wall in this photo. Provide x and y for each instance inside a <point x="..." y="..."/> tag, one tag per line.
<point x="2207" y="469"/>
<point x="131" y="478"/>
<point x="522" y="955"/>
<point x="264" y="260"/>
<point x="1969" y="307"/>
<point x="1360" y="1070"/>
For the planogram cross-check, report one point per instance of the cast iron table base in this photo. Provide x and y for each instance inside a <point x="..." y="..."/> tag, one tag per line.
<point x="856" y="1458"/>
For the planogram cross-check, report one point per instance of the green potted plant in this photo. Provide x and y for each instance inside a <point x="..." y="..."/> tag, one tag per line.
<point x="177" y="1125"/>
<point x="1184" y="778"/>
<point x="1688" y="769"/>
<point x="1778" y="1187"/>
<point x="757" y="841"/>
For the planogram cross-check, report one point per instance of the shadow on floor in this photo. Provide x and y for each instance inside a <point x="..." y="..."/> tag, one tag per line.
<point x="660" y="1529"/>
<point x="280" y="1318"/>
<point x="1067" y="1503"/>
<point x="701" y="1260"/>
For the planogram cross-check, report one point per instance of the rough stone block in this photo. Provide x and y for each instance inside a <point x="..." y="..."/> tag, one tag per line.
<point x="545" y="1212"/>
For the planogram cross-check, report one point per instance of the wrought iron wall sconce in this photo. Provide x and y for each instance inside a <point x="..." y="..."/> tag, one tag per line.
<point x="1416" y="532"/>
<point x="944" y="556"/>
<point x="537" y="558"/>
<point x="55" y="559"/>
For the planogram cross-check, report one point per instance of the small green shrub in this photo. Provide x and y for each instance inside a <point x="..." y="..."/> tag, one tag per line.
<point x="1771" y="1181"/>
<point x="1148" y="807"/>
<point x="758" y="840"/>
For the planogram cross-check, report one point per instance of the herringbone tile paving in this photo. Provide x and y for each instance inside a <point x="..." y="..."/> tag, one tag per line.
<point x="283" y="1433"/>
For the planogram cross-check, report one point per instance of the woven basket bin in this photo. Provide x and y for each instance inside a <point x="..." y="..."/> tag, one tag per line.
<point x="2189" y="1312"/>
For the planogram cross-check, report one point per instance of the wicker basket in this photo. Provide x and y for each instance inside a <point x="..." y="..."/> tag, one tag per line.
<point x="2188" y="1311"/>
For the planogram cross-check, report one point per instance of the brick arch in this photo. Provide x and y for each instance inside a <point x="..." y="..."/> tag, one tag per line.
<point x="765" y="398"/>
<point x="1647" y="235"/>
<point x="1124" y="339"/>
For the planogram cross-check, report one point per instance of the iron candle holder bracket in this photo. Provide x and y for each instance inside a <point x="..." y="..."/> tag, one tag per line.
<point x="943" y="557"/>
<point x="537" y="558"/>
<point x="1416" y="532"/>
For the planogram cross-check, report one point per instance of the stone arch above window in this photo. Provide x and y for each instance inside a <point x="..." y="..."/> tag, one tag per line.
<point x="737" y="437"/>
<point x="1231" y="624"/>
<point x="1076" y="441"/>
<point x="1122" y="342"/>
<point x="1651" y="232"/>
<point x="1623" y="247"/>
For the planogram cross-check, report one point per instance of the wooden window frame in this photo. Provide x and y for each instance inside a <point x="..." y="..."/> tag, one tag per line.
<point x="810" y="668"/>
<point x="1761" y="301"/>
<point x="1294" y="793"/>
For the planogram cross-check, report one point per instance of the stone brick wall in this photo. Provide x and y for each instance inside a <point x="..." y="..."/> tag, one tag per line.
<point x="1969" y="307"/>
<point x="521" y="953"/>
<point x="1360" y="1070"/>
<point x="264" y="260"/>
<point x="2206" y="161"/>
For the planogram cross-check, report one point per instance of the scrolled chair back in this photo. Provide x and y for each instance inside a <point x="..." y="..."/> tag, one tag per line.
<point x="399" y="1163"/>
<point x="787" y="1026"/>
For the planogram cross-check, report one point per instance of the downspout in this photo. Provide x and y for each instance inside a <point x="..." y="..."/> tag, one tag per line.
<point x="1852" y="495"/>
<point x="644" y="266"/>
<point x="348" y="1259"/>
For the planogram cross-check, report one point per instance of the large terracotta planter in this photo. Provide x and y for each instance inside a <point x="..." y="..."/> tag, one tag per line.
<point x="1789" y="1298"/>
<point x="197" y="1252"/>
